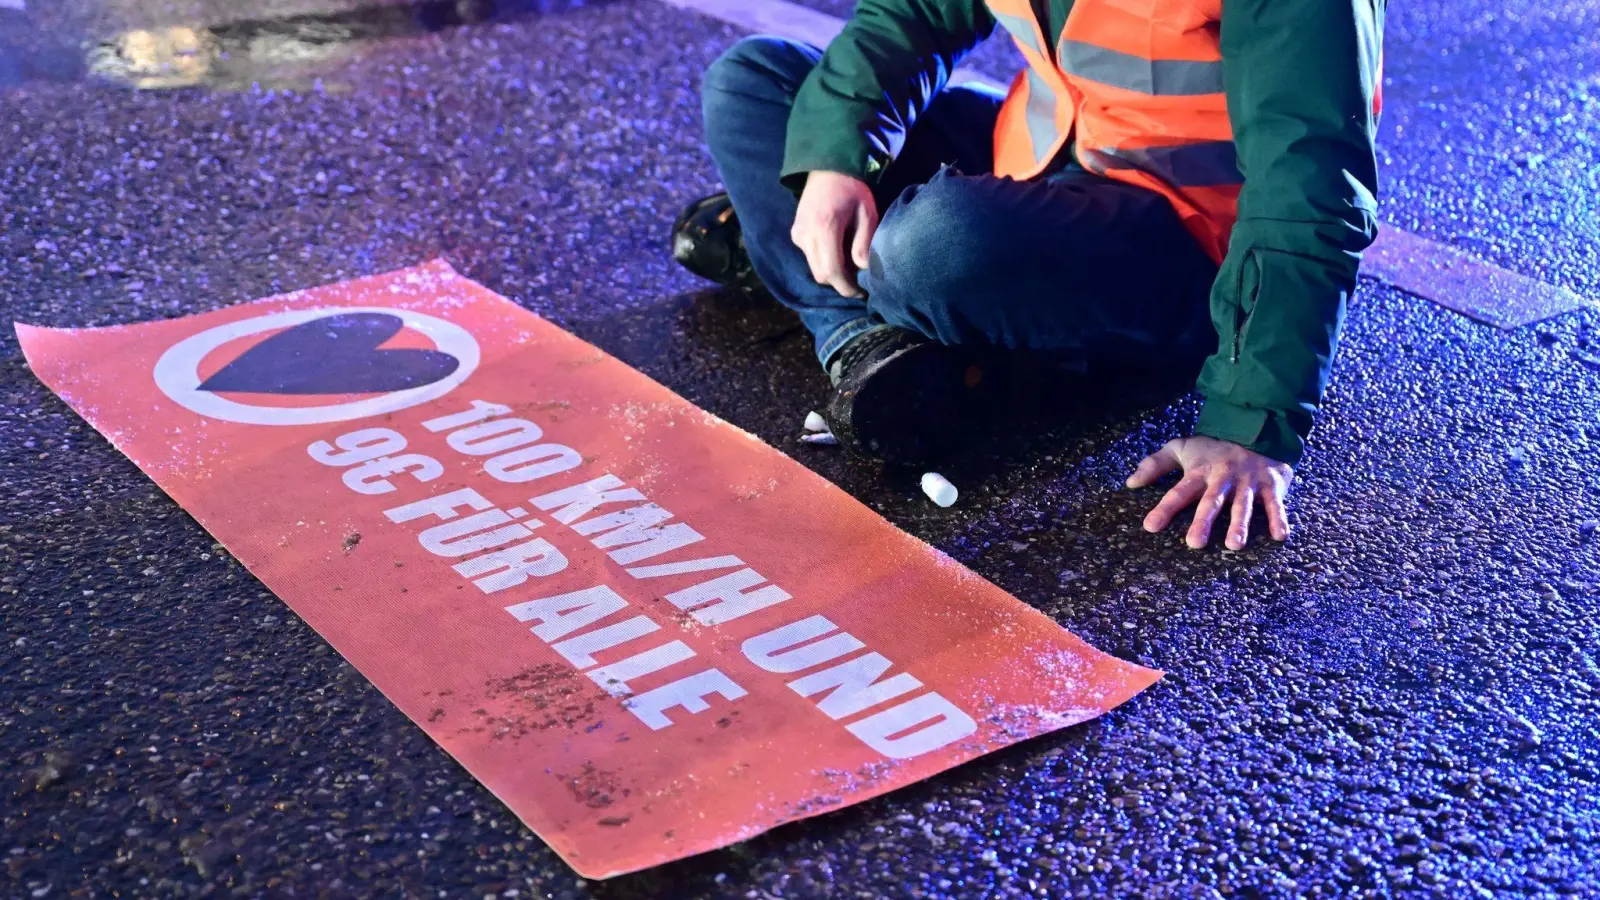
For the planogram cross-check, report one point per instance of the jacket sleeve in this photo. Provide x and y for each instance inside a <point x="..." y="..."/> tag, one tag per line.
<point x="1300" y="76"/>
<point x="853" y="111"/>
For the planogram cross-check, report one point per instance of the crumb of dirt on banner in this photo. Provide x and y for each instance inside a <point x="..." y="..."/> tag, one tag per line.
<point x="824" y="439"/>
<point x="939" y="489"/>
<point x="815" y="422"/>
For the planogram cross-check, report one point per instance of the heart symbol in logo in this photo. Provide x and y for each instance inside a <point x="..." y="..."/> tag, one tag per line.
<point x="337" y="354"/>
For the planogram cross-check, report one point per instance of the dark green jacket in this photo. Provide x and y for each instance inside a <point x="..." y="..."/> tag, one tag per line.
<point x="1299" y="77"/>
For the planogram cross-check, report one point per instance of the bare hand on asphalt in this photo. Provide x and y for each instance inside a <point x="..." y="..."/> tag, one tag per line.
<point x="1213" y="474"/>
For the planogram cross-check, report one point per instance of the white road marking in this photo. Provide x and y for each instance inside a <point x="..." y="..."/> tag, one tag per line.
<point x="1464" y="283"/>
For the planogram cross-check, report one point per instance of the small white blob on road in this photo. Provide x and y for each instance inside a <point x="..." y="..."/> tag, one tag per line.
<point x="939" y="489"/>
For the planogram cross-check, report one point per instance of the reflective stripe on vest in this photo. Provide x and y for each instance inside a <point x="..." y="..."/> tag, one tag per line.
<point x="1161" y="77"/>
<point x="1023" y="31"/>
<point x="1204" y="164"/>
<point x="1041" y="117"/>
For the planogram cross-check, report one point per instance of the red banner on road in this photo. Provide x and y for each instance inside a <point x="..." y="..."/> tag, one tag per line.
<point x="646" y="631"/>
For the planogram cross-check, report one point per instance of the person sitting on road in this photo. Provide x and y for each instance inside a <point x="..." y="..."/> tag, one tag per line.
<point x="1152" y="154"/>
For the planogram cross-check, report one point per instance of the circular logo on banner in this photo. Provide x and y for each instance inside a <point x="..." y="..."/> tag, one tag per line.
<point x="317" y="365"/>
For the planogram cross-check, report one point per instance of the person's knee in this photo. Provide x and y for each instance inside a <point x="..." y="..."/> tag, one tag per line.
<point x="759" y="67"/>
<point x="930" y="251"/>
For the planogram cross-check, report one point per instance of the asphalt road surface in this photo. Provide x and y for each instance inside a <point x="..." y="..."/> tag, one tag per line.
<point x="1404" y="701"/>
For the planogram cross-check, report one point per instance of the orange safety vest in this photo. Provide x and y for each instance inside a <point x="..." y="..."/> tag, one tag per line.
<point x="1139" y="82"/>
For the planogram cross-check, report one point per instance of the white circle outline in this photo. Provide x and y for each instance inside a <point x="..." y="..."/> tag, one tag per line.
<point x="177" y="372"/>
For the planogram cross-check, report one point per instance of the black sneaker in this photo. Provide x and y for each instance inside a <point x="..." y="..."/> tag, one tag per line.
<point x="900" y="397"/>
<point x="708" y="241"/>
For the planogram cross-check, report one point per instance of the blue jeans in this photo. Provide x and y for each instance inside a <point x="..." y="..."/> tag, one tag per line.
<point x="1067" y="261"/>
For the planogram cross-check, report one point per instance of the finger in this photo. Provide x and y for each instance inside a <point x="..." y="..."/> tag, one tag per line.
<point x="1244" y="504"/>
<point x="1154" y="466"/>
<point x="845" y="284"/>
<point x="1272" y="499"/>
<point x="1175" y="501"/>
<point x="1205" y="514"/>
<point x="805" y="239"/>
<point x="866" y="225"/>
<point x="829" y="265"/>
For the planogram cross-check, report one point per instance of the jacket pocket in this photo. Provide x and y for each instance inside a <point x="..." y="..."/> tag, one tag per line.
<point x="1249" y="291"/>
